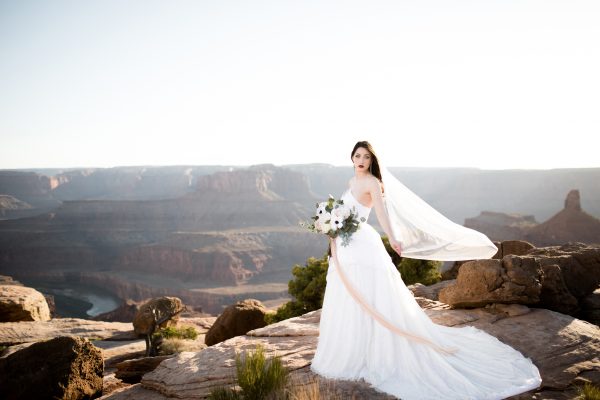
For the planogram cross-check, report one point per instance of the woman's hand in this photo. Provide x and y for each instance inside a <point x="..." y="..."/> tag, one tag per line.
<point x="396" y="246"/>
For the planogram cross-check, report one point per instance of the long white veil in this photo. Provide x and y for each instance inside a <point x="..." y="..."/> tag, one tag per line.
<point x="424" y="233"/>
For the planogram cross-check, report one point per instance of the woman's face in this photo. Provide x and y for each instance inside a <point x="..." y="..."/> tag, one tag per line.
<point x="361" y="159"/>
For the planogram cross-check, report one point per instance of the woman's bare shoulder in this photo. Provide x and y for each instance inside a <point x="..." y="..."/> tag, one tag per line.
<point x="374" y="183"/>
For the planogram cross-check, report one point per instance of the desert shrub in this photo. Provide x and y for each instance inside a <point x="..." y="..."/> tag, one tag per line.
<point x="257" y="376"/>
<point x="307" y="287"/>
<point x="171" y="346"/>
<point x="413" y="270"/>
<point x="223" y="393"/>
<point x="589" y="392"/>
<point x="175" y="332"/>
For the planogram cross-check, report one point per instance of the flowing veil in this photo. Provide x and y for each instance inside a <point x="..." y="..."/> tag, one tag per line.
<point x="424" y="233"/>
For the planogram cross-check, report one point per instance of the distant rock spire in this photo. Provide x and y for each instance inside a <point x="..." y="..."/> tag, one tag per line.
<point x="572" y="202"/>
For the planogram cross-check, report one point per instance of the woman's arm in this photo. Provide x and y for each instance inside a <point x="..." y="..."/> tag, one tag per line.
<point x="382" y="215"/>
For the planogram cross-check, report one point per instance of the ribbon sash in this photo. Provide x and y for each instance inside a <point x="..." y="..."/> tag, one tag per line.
<point x="377" y="316"/>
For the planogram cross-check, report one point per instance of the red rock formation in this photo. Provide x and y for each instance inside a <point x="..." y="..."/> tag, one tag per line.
<point x="501" y="226"/>
<point x="571" y="224"/>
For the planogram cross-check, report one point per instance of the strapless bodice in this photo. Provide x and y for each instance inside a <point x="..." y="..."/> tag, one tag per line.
<point x="350" y="200"/>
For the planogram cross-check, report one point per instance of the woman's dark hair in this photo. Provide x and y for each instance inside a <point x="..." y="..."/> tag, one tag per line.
<point x="374" y="167"/>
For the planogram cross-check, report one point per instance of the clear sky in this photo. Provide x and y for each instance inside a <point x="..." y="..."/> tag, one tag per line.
<point x="490" y="84"/>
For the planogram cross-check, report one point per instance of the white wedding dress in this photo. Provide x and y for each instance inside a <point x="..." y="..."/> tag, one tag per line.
<point x="353" y="344"/>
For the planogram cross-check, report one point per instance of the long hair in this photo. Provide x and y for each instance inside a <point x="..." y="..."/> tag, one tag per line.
<point x="374" y="167"/>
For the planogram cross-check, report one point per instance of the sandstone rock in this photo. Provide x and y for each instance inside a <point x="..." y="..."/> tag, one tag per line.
<point x="571" y="224"/>
<point x="237" y="319"/>
<point x="501" y="226"/>
<point x="506" y="247"/>
<point x="579" y="264"/>
<point x="156" y="314"/>
<point x="556" y="277"/>
<point x="131" y="371"/>
<point x="481" y="282"/>
<point x="514" y="247"/>
<point x="21" y="303"/>
<point x="22" y="332"/>
<point x="566" y="350"/>
<point x="61" y="368"/>
<point x="8" y="280"/>
<point x="590" y="307"/>
<point x="432" y="291"/>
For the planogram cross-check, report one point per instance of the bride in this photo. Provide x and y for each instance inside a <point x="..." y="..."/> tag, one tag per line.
<point x="371" y="325"/>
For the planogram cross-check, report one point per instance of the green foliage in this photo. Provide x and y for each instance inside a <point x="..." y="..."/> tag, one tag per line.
<point x="173" y="332"/>
<point x="307" y="288"/>
<point x="223" y="393"/>
<point x="413" y="270"/>
<point x="258" y="377"/>
<point x="589" y="392"/>
<point x="426" y="272"/>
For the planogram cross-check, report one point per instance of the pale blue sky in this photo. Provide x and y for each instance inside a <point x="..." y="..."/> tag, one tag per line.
<point x="488" y="84"/>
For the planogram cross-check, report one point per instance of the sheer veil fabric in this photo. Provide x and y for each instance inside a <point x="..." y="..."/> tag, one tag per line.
<point x="424" y="233"/>
<point x="372" y="327"/>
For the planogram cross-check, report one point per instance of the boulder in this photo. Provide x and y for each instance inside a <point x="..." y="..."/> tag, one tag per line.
<point x="590" y="307"/>
<point x="131" y="371"/>
<point x="21" y="303"/>
<point x="153" y="315"/>
<point x="506" y="247"/>
<point x="481" y="282"/>
<point x="60" y="368"/>
<point x="157" y="313"/>
<point x="237" y="319"/>
<point x="557" y="278"/>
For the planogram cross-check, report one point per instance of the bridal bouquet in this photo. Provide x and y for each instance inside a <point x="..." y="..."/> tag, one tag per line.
<point x="334" y="218"/>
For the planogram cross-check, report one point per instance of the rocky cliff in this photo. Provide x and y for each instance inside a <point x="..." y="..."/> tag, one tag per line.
<point x="571" y="224"/>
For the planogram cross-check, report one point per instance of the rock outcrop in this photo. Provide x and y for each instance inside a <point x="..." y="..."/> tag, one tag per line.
<point x="555" y="277"/>
<point x="153" y="315"/>
<point x="21" y="303"/>
<point x="12" y="333"/>
<point x="551" y="339"/>
<point x="506" y="247"/>
<point x="237" y="319"/>
<point x="571" y="224"/>
<point x="501" y="226"/>
<point x="131" y="371"/>
<point x="60" y="368"/>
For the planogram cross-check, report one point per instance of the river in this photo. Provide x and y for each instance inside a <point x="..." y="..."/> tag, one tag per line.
<point x="74" y="300"/>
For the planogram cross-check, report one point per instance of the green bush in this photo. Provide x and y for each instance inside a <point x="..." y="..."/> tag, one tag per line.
<point x="223" y="393"/>
<point x="307" y="288"/>
<point x="413" y="270"/>
<point x="174" y="332"/>
<point x="258" y="378"/>
<point x="589" y="392"/>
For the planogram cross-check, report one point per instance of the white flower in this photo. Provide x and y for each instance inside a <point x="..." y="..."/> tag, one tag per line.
<point x="321" y="209"/>
<point x="326" y="228"/>
<point x="337" y="218"/>
<point x="340" y="212"/>
<point x="324" y="217"/>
